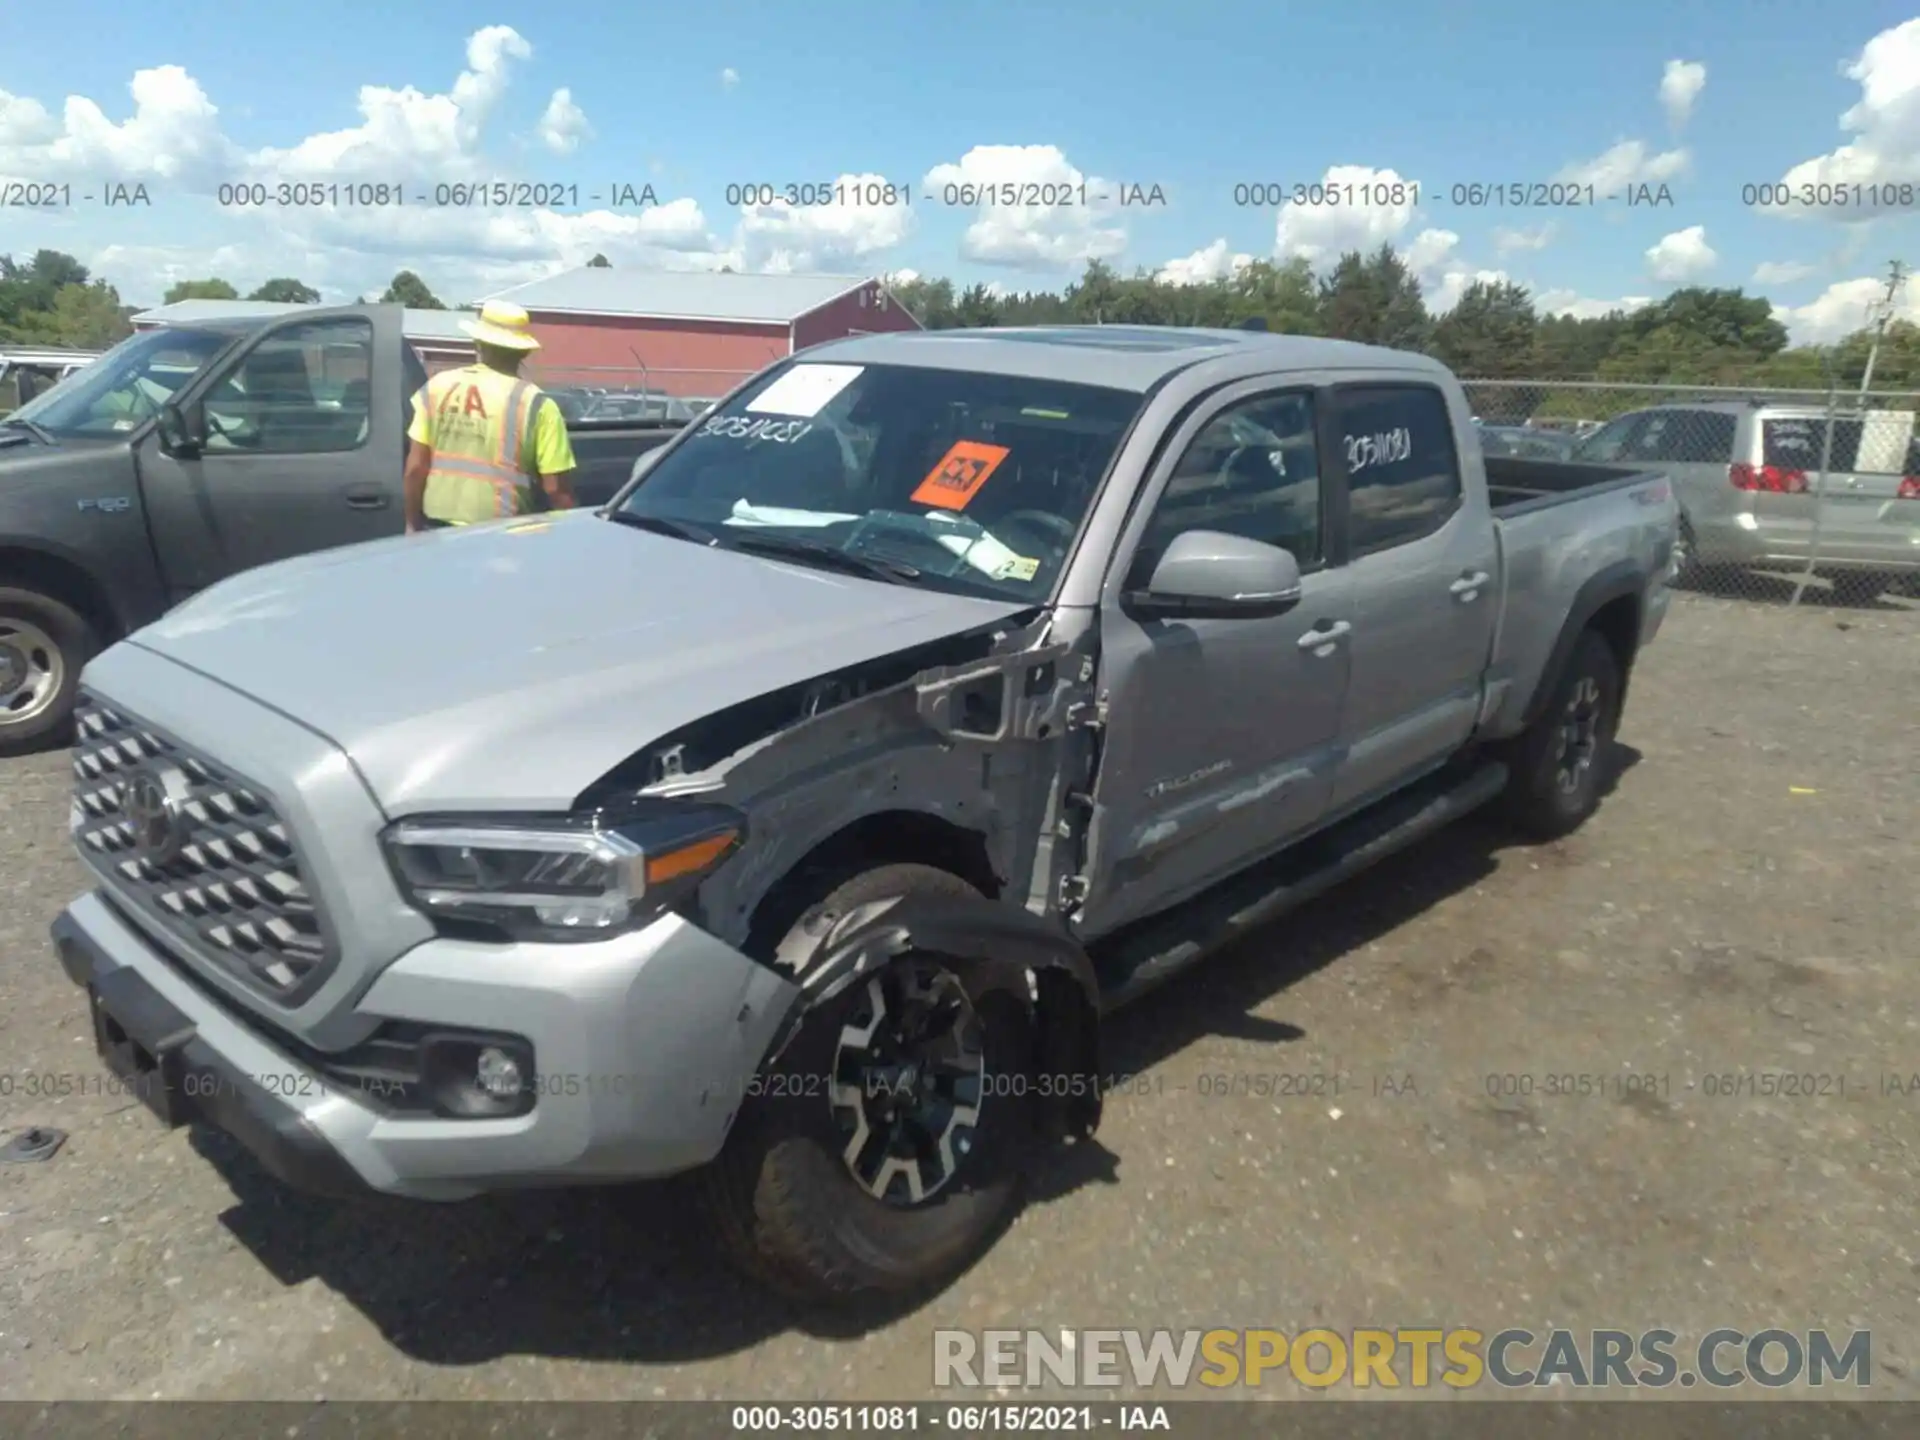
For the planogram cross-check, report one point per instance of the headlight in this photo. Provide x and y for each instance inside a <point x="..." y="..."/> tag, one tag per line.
<point x="562" y="877"/>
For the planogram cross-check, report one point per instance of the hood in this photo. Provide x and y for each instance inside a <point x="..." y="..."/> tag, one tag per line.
<point x="509" y="666"/>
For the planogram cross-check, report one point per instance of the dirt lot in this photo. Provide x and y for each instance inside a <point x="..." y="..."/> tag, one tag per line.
<point x="1745" y="904"/>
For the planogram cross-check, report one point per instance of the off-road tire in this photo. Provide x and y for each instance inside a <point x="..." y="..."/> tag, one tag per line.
<point x="74" y="640"/>
<point x="1536" y="801"/>
<point x="783" y="1204"/>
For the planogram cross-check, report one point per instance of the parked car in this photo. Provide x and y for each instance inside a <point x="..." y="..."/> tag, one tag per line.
<point x="30" y="370"/>
<point x="188" y="454"/>
<point x="1526" y="443"/>
<point x="1748" y="478"/>
<point x="798" y="818"/>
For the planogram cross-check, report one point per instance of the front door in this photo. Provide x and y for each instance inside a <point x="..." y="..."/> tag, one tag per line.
<point x="1220" y="735"/>
<point x="1425" y="568"/>
<point x="302" y="451"/>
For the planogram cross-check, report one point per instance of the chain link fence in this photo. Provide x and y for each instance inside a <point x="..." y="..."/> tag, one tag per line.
<point x="1795" y="497"/>
<point x="634" y="392"/>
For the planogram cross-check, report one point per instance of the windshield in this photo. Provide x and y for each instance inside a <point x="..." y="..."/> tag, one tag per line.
<point x="125" y="386"/>
<point x="977" y="482"/>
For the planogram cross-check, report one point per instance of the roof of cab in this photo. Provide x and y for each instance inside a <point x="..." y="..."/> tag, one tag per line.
<point x="1122" y="357"/>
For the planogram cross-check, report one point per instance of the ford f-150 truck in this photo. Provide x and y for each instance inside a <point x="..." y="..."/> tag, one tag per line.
<point x="796" y="818"/>
<point x="186" y="455"/>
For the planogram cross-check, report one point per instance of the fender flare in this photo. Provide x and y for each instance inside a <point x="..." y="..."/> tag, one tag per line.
<point x="62" y="554"/>
<point x="1064" y="990"/>
<point x="1623" y="579"/>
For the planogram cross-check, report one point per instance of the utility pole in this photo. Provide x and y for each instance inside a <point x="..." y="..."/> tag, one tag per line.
<point x="1896" y="277"/>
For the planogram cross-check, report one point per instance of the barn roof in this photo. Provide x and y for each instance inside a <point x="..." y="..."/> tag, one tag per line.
<point x="682" y="295"/>
<point x="442" y="326"/>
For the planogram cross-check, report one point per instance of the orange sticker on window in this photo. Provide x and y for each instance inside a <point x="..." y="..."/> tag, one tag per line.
<point x="959" y="475"/>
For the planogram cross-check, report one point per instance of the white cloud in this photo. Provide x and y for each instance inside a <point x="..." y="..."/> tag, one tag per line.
<point x="404" y="134"/>
<point x="1210" y="262"/>
<point x="1843" y="308"/>
<point x="785" y="238"/>
<point x="729" y="77"/>
<point x="1506" y="241"/>
<point x="1569" y="302"/>
<point x="1680" y="85"/>
<point x="1434" y="258"/>
<point x="563" y="125"/>
<point x="1374" y="207"/>
<point x="1059" y="230"/>
<point x="1626" y="163"/>
<point x="901" y="277"/>
<point x="1886" y="129"/>
<point x="1682" y="256"/>
<point x="173" y="135"/>
<point x="1780" y="272"/>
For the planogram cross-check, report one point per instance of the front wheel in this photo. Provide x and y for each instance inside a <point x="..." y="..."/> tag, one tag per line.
<point x="1560" y="764"/>
<point x="884" y="1149"/>
<point x="43" y="645"/>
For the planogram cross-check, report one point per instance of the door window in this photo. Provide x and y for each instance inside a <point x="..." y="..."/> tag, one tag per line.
<point x="304" y="390"/>
<point x="1403" y="478"/>
<point x="1254" y="471"/>
<point x="1610" y="441"/>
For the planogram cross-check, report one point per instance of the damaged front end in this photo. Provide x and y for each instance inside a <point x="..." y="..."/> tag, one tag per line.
<point x="964" y="753"/>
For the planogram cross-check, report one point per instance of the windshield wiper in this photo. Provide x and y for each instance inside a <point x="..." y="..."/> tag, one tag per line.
<point x="45" y="437"/>
<point x="660" y="525"/>
<point x="828" y="557"/>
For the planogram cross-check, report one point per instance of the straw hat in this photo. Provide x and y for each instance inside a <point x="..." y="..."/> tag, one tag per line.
<point x="504" y="325"/>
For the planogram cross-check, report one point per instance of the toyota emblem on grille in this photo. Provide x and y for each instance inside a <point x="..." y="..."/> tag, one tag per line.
<point x="153" y="809"/>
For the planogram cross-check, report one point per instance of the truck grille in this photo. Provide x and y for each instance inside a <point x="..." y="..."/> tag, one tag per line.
<point x="194" y="849"/>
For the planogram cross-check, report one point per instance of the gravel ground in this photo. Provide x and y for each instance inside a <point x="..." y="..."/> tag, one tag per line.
<point x="1744" y="904"/>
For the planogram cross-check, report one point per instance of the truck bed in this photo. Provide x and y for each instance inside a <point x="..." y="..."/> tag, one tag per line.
<point x="1516" y="485"/>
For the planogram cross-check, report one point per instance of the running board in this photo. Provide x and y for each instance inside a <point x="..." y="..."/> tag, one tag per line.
<point x="1145" y="956"/>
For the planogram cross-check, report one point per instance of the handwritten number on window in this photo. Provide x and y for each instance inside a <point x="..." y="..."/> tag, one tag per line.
<point x="1384" y="447"/>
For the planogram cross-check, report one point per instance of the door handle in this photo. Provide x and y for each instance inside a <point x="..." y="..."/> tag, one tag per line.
<point x="367" y="498"/>
<point x="1468" y="586"/>
<point x="1322" y="639"/>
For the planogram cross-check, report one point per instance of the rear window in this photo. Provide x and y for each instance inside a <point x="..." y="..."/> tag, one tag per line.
<point x="1798" y="444"/>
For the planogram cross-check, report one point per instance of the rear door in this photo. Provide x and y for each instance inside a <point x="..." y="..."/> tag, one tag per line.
<point x="304" y="449"/>
<point x="1424" y="562"/>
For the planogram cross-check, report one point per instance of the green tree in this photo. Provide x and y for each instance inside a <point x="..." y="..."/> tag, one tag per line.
<point x="1727" y="319"/>
<point x="1489" y="334"/>
<point x="410" y="290"/>
<point x="27" y="289"/>
<point x="286" y="291"/>
<point x="88" y="317"/>
<point x="1284" y="296"/>
<point x="200" y="290"/>
<point x="599" y="262"/>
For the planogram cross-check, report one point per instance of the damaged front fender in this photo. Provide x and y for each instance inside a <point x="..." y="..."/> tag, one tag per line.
<point x="1060" y="983"/>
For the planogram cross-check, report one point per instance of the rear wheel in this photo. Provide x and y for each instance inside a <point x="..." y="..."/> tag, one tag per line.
<point x="883" y="1150"/>
<point x="1560" y="765"/>
<point x="43" y="645"/>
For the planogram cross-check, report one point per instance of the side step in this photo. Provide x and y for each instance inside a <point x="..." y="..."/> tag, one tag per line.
<point x="1146" y="955"/>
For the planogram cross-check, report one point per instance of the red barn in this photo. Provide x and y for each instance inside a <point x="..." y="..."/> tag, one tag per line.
<point x="691" y="335"/>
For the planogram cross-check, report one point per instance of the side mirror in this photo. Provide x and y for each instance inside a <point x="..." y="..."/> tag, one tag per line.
<point x="1205" y="574"/>
<point x="182" y="429"/>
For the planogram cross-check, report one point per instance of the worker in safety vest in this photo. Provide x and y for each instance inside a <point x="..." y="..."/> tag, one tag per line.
<point x="485" y="443"/>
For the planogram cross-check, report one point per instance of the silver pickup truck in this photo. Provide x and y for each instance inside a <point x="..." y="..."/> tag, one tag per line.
<point x="797" y="817"/>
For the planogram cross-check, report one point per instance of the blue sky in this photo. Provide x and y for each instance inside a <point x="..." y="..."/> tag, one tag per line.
<point x="1194" y="99"/>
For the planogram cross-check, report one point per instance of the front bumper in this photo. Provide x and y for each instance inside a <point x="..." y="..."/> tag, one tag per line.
<point x="644" y="1045"/>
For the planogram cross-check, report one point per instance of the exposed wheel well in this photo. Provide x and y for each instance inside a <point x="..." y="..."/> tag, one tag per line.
<point x="890" y="837"/>
<point x="64" y="581"/>
<point x="1618" y="623"/>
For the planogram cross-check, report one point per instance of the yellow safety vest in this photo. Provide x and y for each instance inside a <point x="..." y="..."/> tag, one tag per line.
<point x="482" y="423"/>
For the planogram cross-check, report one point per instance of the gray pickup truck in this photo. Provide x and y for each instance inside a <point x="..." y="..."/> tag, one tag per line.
<point x="188" y="454"/>
<point x="796" y="817"/>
